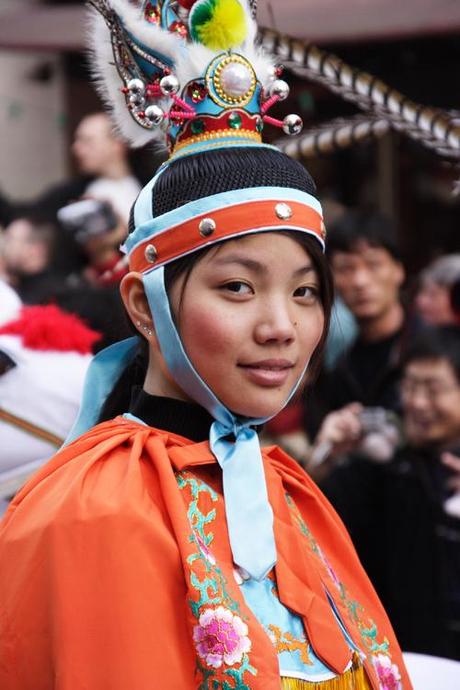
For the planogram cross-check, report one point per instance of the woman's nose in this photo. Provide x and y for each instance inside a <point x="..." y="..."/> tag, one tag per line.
<point x="275" y="324"/>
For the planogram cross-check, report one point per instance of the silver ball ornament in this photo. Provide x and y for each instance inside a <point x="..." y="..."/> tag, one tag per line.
<point x="154" y="115"/>
<point x="279" y="88"/>
<point x="292" y="124"/>
<point x="169" y="85"/>
<point x="136" y="86"/>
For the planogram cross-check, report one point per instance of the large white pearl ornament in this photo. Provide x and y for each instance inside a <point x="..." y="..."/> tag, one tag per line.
<point x="155" y="115"/>
<point x="292" y="124"/>
<point x="235" y="80"/>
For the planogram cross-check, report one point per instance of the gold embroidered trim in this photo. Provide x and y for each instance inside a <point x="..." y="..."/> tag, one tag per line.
<point x="218" y="134"/>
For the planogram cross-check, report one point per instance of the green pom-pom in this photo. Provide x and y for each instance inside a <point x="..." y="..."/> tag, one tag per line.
<point x="218" y="24"/>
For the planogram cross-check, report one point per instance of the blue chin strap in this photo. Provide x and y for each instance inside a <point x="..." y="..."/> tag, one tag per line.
<point x="233" y="441"/>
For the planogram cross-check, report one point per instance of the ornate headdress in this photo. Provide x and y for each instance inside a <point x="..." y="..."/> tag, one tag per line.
<point x="188" y="74"/>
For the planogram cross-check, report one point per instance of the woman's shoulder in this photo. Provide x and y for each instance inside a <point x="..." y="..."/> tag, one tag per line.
<point x="102" y="473"/>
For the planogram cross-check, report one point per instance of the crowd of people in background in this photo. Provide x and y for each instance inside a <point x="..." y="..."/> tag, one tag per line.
<point x="381" y="434"/>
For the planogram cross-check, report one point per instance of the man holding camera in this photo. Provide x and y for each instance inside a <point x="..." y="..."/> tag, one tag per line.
<point x="404" y="515"/>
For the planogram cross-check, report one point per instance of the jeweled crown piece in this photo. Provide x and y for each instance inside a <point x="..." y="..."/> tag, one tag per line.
<point x="191" y="74"/>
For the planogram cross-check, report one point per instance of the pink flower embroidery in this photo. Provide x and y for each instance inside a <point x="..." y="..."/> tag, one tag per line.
<point x="387" y="672"/>
<point x="221" y="637"/>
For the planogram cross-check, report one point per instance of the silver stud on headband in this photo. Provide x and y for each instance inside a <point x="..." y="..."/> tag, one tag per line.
<point x="207" y="227"/>
<point x="283" y="211"/>
<point x="150" y="253"/>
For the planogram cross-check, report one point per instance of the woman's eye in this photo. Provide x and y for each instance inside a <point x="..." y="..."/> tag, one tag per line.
<point x="238" y="287"/>
<point x="306" y="292"/>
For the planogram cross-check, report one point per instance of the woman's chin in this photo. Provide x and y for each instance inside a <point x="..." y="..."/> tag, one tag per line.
<point x="256" y="411"/>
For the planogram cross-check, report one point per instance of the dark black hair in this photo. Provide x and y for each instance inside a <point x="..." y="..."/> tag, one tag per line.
<point x="363" y="225"/>
<point x="213" y="172"/>
<point x="199" y="176"/>
<point x="442" y="342"/>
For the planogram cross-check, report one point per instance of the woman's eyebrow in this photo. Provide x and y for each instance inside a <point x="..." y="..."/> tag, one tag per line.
<point x="256" y="266"/>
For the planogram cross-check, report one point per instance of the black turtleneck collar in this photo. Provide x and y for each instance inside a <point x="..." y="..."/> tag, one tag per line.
<point x="183" y="418"/>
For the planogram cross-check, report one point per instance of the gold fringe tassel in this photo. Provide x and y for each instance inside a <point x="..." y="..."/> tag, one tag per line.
<point x="353" y="679"/>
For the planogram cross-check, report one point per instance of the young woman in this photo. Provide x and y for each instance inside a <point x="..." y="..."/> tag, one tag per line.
<point x="164" y="548"/>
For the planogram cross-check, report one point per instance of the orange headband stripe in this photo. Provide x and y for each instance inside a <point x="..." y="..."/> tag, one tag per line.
<point x="224" y="223"/>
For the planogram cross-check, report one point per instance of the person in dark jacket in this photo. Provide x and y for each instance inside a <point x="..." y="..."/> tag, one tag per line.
<point x="404" y="516"/>
<point x="368" y="274"/>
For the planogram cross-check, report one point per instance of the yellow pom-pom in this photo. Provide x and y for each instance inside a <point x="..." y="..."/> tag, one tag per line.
<point x="218" y="24"/>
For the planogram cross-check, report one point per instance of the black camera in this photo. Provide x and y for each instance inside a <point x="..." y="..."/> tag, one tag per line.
<point x="87" y="218"/>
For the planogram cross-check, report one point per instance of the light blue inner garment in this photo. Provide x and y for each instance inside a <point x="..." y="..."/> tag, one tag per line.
<point x="299" y="661"/>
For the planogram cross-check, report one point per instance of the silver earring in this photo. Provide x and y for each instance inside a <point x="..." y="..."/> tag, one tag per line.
<point x="145" y="328"/>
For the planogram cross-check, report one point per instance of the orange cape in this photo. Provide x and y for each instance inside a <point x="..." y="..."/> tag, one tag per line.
<point x="113" y="554"/>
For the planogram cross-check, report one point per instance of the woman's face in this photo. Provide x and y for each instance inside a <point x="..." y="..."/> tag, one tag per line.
<point x="250" y="316"/>
<point x="433" y="304"/>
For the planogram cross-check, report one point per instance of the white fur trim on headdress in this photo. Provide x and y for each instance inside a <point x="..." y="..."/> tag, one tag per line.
<point x="189" y="61"/>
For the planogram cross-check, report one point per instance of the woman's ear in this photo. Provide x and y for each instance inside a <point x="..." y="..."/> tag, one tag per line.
<point x="136" y="303"/>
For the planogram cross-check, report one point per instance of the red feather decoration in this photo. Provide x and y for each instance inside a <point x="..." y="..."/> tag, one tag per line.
<point x="49" y="328"/>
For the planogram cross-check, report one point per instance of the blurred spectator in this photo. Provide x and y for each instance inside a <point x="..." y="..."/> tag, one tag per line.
<point x="98" y="233"/>
<point x="404" y="516"/>
<point x="433" y="299"/>
<point x="102" y="160"/>
<point x="44" y="354"/>
<point x="27" y="251"/>
<point x="103" y="155"/>
<point x="368" y="274"/>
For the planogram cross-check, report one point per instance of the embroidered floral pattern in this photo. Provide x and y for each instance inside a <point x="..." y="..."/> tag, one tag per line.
<point x="221" y="637"/>
<point x="377" y="647"/>
<point x="387" y="672"/>
<point x="286" y="642"/>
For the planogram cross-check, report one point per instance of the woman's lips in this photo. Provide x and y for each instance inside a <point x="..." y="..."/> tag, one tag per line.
<point x="269" y="372"/>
